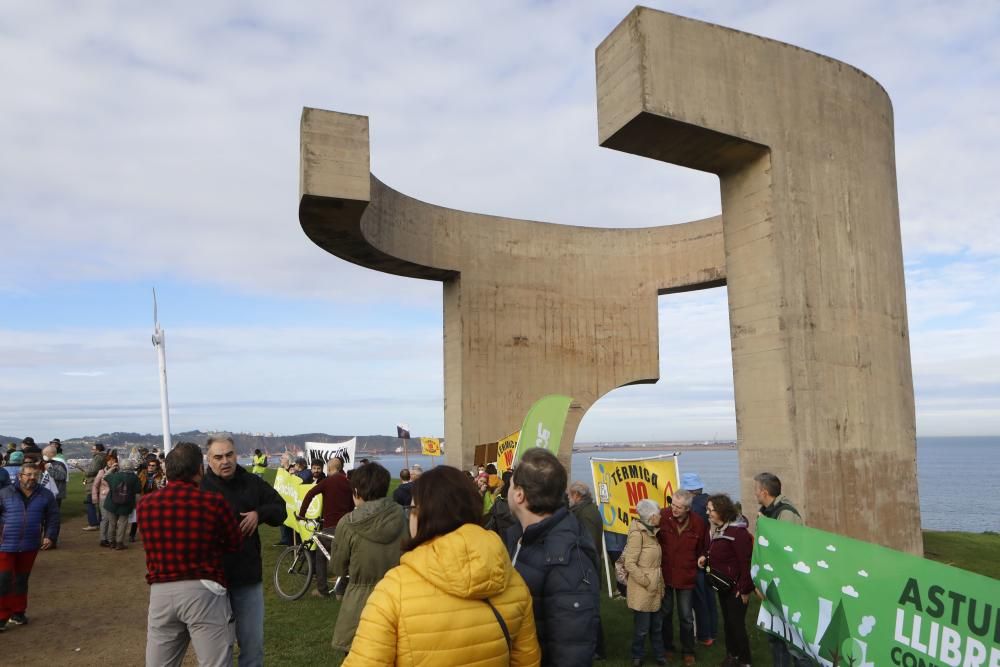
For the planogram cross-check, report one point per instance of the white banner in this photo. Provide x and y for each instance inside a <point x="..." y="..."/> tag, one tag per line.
<point x="328" y="450"/>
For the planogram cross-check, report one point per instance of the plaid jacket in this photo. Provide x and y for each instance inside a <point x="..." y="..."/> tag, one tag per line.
<point x="185" y="531"/>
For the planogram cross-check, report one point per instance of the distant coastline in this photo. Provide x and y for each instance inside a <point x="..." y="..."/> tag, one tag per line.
<point x="659" y="447"/>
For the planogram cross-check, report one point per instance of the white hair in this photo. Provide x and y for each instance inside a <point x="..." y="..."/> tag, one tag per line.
<point x="646" y="508"/>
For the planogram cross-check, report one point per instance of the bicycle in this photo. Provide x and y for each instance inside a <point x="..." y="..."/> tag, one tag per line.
<point x="293" y="571"/>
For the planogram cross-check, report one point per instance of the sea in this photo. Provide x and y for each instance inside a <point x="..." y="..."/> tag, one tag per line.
<point x="958" y="477"/>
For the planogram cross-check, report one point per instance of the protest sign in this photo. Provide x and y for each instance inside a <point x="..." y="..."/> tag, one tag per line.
<point x="430" y="446"/>
<point x="543" y="425"/>
<point x="620" y="484"/>
<point x="293" y="491"/>
<point x="845" y="602"/>
<point x="328" y="450"/>
<point x="505" y="452"/>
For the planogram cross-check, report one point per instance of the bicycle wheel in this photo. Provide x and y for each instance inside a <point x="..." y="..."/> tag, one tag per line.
<point x="293" y="572"/>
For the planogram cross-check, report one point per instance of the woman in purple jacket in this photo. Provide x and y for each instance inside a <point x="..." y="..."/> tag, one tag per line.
<point x="729" y="555"/>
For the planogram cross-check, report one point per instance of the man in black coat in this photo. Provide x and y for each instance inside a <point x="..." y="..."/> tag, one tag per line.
<point x="555" y="555"/>
<point x="254" y="501"/>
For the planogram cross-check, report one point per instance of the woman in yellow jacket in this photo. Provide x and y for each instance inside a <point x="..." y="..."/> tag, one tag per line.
<point x="454" y="599"/>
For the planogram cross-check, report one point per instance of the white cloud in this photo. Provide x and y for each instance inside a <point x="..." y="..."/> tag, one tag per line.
<point x="849" y="590"/>
<point x="754" y="569"/>
<point x="788" y="548"/>
<point x="830" y="547"/>
<point x="823" y="564"/>
<point x="867" y="623"/>
<point x="796" y="616"/>
<point x="863" y="573"/>
<point x="762" y="541"/>
<point x="767" y="566"/>
<point x="802" y="567"/>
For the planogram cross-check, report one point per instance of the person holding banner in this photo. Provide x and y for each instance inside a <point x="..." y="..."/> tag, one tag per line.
<point x="338" y="501"/>
<point x="727" y="564"/>
<point x="645" y="581"/>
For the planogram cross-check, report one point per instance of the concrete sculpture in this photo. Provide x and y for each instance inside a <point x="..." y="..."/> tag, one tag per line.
<point x="808" y="244"/>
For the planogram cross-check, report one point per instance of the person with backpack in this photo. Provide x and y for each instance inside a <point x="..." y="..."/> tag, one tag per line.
<point x="123" y="488"/>
<point x="499" y="520"/>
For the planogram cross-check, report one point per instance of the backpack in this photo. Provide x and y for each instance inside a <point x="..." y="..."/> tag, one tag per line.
<point x="123" y="493"/>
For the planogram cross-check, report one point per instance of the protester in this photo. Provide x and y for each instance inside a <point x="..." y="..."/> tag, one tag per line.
<point x="500" y="518"/>
<point x="486" y="496"/>
<point x="259" y="463"/>
<point x="729" y="555"/>
<point x="366" y="546"/>
<point x="338" y="500"/>
<point x="556" y="557"/>
<point x="99" y="493"/>
<point x="404" y="492"/>
<point x="124" y="486"/>
<point x="185" y="532"/>
<point x="98" y="460"/>
<point x="287" y="535"/>
<point x="416" y="470"/>
<point x="683" y="537"/>
<point x="644" y="596"/>
<point x="24" y="510"/>
<point x="706" y="615"/>
<point x="302" y="471"/>
<point x="773" y="505"/>
<point x="253" y="501"/>
<point x="151" y="478"/>
<point x="476" y="610"/>
<point x="581" y="505"/>
<point x="56" y="469"/>
<point x="13" y="468"/>
<point x="316" y="471"/>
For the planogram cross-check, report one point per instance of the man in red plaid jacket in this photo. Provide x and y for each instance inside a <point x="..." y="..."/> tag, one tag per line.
<point x="185" y="532"/>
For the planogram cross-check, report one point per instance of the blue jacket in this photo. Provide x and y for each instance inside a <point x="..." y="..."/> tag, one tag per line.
<point x="4" y="478"/>
<point x="22" y="519"/>
<point x="557" y="559"/>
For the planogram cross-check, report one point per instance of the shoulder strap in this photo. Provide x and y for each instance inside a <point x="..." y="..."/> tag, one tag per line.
<point x="503" y="626"/>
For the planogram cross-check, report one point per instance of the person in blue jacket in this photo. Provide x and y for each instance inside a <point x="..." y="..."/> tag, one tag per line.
<point x="25" y="508"/>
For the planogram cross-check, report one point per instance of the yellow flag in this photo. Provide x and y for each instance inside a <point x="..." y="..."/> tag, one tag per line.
<point x="430" y="446"/>
<point x="293" y="492"/>
<point x="619" y="485"/>
<point x="505" y="452"/>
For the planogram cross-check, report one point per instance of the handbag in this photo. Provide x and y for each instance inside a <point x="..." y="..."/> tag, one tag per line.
<point x="717" y="580"/>
<point x="621" y="574"/>
<point x="503" y="626"/>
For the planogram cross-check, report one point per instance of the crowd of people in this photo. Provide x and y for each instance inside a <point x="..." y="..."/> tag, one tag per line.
<point x="453" y="567"/>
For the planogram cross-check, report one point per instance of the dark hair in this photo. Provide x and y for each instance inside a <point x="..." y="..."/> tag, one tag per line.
<point x="99" y="446"/>
<point x="723" y="506"/>
<point x="404" y="474"/>
<point x="506" y="482"/>
<point x="445" y="499"/>
<point x="491" y="469"/>
<point x="770" y="483"/>
<point x="184" y="462"/>
<point x="370" y="482"/>
<point x="257" y="452"/>
<point x="317" y="462"/>
<point x="543" y="480"/>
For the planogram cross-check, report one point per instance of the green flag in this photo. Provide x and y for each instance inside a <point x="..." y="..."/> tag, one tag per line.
<point x="543" y="425"/>
<point x="845" y="602"/>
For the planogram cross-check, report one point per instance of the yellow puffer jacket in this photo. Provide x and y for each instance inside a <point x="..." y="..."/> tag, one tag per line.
<point x="431" y="609"/>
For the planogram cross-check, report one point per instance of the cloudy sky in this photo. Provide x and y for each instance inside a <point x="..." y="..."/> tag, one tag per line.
<point x="156" y="144"/>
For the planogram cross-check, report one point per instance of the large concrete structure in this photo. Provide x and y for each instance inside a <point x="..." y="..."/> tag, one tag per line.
<point x="808" y="244"/>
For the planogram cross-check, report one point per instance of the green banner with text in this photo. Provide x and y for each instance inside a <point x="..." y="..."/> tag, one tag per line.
<point x="841" y="601"/>
<point x="543" y="425"/>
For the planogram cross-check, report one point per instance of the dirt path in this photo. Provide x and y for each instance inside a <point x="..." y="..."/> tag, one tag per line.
<point x="86" y="606"/>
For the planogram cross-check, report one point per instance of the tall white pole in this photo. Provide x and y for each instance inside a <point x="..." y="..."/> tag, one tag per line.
<point x="160" y="343"/>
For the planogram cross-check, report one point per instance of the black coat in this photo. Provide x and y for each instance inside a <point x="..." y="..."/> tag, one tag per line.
<point x="246" y="492"/>
<point x="558" y="562"/>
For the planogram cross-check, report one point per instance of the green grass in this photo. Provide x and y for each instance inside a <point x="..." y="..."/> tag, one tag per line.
<point x="299" y="632"/>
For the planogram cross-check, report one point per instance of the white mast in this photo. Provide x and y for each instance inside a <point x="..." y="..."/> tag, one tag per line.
<point x="160" y="343"/>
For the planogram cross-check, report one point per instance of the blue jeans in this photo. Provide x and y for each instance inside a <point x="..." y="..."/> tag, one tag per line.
<point x="647" y="623"/>
<point x="92" y="518"/>
<point x="686" y="613"/>
<point x="705" y="614"/>
<point x="248" y="612"/>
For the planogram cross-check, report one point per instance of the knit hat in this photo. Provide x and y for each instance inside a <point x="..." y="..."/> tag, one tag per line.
<point x="690" y="481"/>
<point x="16" y="458"/>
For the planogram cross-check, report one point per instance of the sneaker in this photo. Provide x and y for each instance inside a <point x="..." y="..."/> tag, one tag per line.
<point x="89" y="528"/>
<point x="18" y="619"/>
<point x="105" y="543"/>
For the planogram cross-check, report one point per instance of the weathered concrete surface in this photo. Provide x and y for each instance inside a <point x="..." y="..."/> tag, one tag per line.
<point x="803" y="146"/>
<point x="810" y="248"/>
<point x="529" y="308"/>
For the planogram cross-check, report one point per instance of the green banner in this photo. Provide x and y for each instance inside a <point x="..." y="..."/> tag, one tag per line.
<point x="292" y="489"/>
<point x="543" y="425"/>
<point x="845" y="602"/>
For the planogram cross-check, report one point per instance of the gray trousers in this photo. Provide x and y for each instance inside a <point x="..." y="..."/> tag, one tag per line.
<point x="119" y="528"/>
<point x="186" y="611"/>
<point x="107" y="531"/>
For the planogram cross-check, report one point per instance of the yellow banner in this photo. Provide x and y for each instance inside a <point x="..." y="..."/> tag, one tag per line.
<point x="430" y="446"/>
<point x="505" y="452"/>
<point x="291" y="488"/>
<point x="619" y="485"/>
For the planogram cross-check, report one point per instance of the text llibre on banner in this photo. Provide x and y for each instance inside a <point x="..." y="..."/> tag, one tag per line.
<point x="619" y="485"/>
<point x="505" y="452"/>
<point x="846" y="602"/>
<point x="293" y="492"/>
<point x="430" y="446"/>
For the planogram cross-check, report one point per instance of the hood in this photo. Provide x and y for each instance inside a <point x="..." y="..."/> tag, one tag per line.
<point x="380" y="521"/>
<point x="469" y="562"/>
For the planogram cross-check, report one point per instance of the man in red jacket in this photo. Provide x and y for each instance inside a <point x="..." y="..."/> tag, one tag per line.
<point x="683" y="536"/>
<point x="338" y="501"/>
